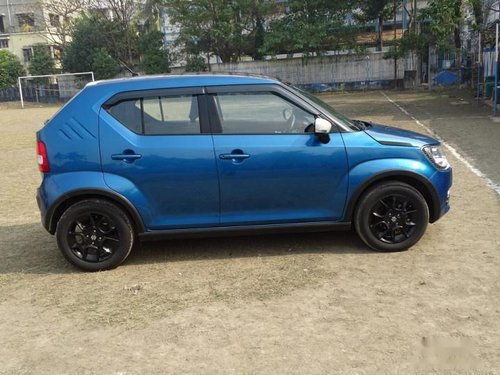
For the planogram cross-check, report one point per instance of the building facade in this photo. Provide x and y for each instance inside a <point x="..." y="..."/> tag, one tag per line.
<point x="25" y="23"/>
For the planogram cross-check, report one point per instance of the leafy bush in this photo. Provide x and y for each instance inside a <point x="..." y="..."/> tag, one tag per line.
<point x="103" y="65"/>
<point x="10" y="69"/>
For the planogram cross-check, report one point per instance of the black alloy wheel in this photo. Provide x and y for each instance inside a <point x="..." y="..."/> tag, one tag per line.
<point x="392" y="216"/>
<point x="95" y="235"/>
<point x="393" y="219"/>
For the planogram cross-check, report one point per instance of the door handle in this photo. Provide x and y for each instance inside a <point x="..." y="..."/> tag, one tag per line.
<point x="127" y="157"/>
<point x="233" y="156"/>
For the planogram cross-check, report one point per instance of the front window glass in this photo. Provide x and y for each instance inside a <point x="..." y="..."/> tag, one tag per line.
<point x="260" y="113"/>
<point x="332" y="111"/>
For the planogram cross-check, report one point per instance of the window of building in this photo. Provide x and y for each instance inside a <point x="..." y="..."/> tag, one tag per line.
<point x="55" y="53"/>
<point x="26" y="21"/>
<point x="54" y="20"/>
<point x="27" y="54"/>
<point x="4" y="43"/>
<point x="2" y="27"/>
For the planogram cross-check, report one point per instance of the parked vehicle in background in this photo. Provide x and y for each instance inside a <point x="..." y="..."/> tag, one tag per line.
<point x="200" y="155"/>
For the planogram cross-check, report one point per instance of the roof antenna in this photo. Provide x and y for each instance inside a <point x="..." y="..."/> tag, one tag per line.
<point x="122" y="63"/>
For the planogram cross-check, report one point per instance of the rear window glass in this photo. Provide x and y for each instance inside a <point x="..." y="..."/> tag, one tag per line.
<point x="159" y="115"/>
<point x="171" y="115"/>
<point x="128" y="113"/>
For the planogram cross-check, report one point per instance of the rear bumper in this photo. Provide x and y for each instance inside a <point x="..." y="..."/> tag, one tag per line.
<point x="42" y="205"/>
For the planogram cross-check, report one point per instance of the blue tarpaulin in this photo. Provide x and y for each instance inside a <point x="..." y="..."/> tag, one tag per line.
<point x="446" y="77"/>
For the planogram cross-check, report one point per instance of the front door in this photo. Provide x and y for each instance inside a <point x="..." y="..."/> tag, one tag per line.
<point x="272" y="169"/>
<point x="154" y="153"/>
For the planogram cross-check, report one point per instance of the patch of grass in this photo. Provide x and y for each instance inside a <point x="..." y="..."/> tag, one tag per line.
<point x="108" y="299"/>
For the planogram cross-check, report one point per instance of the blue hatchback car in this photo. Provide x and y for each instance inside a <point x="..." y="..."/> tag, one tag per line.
<point x="200" y="155"/>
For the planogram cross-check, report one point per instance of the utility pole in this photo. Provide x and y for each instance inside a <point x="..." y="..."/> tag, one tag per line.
<point x="414" y="16"/>
<point x="495" y="88"/>
<point x="429" y="81"/>
<point x="403" y="16"/>
<point x="414" y="29"/>
<point x="394" y="45"/>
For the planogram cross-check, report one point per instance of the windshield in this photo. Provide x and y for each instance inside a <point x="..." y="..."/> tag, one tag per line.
<point x="352" y="124"/>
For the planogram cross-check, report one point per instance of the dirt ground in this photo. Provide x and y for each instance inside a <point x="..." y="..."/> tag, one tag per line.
<point x="281" y="304"/>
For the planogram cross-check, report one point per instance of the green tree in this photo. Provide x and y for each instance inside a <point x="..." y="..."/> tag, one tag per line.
<point x="194" y="60"/>
<point x="441" y="22"/>
<point x="311" y="27"/>
<point x="10" y="69"/>
<point x="103" y="65"/>
<point x="375" y="10"/>
<point x="124" y="12"/>
<point x="195" y="63"/>
<point x="228" y="29"/>
<point x="155" y="58"/>
<point x="444" y="20"/>
<point x="41" y="63"/>
<point x="91" y="33"/>
<point x="479" y="12"/>
<point x="410" y="42"/>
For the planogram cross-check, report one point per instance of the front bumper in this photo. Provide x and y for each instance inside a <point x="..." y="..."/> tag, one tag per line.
<point x="442" y="182"/>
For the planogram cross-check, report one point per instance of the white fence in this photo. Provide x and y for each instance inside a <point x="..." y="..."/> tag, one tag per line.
<point x="320" y="73"/>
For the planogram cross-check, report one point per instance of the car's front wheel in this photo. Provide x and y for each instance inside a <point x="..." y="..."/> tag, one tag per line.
<point x="391" y="216"/>
<point x="95" y="235"/>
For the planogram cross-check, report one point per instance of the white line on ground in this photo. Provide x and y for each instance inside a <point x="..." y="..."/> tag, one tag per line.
<point x="452" y="149"/>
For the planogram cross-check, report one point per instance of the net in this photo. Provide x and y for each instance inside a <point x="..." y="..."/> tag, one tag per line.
<point x="52" y="88"/>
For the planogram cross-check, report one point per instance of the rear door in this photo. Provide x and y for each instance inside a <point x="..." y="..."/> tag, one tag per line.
<point x="272" y="168"/>
<point x="155" y="152"/>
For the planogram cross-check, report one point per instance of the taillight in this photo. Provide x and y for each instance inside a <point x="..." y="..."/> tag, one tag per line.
<point x="41" y="157"/>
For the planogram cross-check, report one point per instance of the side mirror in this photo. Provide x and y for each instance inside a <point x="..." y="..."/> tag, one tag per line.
<point x="322" y="129"/>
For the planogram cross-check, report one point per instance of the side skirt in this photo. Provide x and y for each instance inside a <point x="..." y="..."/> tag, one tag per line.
<point x="239" y="230"/>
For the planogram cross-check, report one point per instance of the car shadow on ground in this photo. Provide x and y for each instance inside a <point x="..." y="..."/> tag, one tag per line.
<point x="28" y="248"/>
<point x="247" y="246"/>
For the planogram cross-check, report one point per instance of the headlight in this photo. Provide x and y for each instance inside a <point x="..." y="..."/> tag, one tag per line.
<point x="436" y="156"/>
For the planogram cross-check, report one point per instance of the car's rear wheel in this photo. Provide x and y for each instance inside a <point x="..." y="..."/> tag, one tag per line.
<point x="392" y="216"/>
<point x="95" y="235"/>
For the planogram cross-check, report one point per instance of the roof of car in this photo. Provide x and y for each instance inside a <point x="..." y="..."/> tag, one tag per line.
<point x="187" y="80"/>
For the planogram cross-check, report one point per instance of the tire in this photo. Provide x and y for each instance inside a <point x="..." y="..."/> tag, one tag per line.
<point x="95" y="235"/>
<point x="391" y="216"/>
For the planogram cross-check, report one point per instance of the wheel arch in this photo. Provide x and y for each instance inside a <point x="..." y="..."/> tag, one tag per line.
<point x="73" y="197"/>
<point x="417" y="181"/>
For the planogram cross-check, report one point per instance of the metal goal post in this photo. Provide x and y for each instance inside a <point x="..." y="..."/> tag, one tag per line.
<point x="19" y="80"/>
